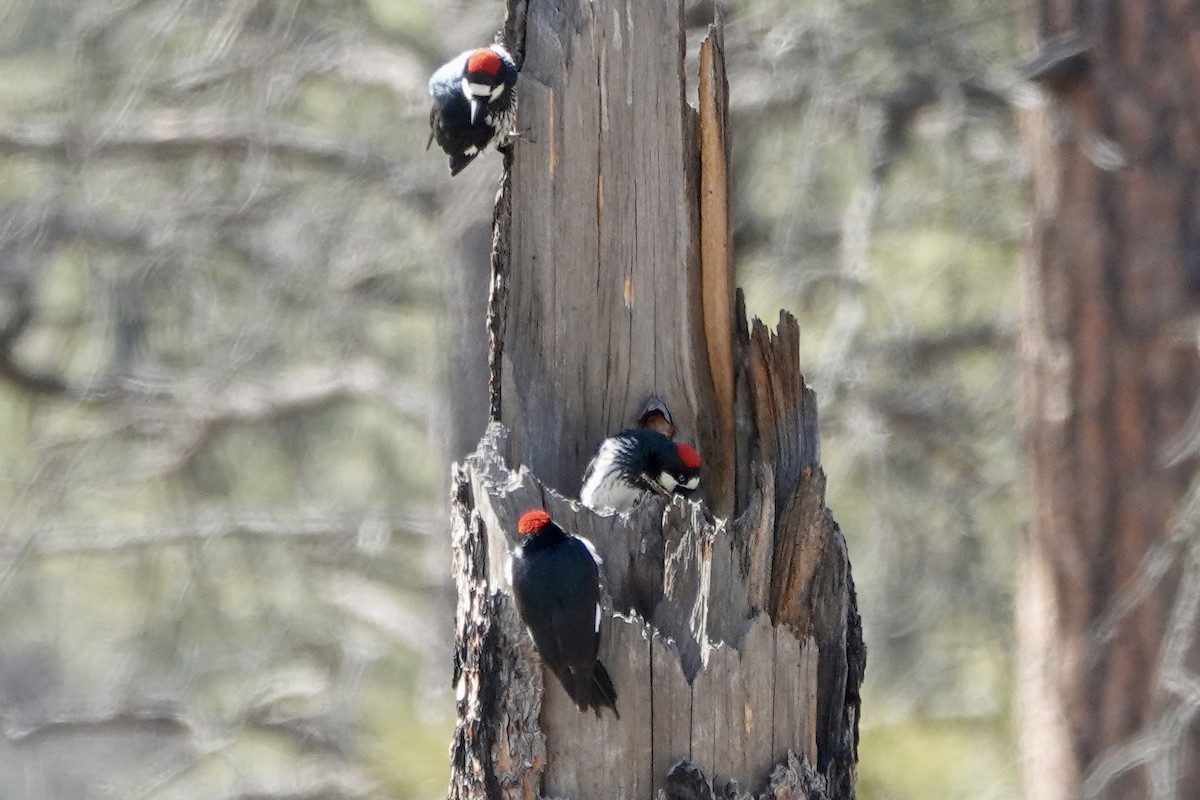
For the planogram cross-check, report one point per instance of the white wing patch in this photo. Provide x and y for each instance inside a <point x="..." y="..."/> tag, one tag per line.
<point x="449" y="72"/>
<point x="591" y="549"/>
<point x="603" y="481"/>
<point x="597" y="617"/>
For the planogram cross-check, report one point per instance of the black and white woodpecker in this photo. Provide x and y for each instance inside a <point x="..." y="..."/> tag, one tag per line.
<point x="474" y="103"/>
<point x="635" y="463"/>
<point x="556" y="584"/>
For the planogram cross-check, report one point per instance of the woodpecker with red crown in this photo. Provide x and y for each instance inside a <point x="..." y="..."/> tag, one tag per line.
<point x="556" y="584"/>
<point x="474" y="103"/>
<point x="635" y="463"/>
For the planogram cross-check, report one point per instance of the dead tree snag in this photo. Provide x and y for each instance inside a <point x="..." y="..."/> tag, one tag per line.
<point x="612" y="283"/>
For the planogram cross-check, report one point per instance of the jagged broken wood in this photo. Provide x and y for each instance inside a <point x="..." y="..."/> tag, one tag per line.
<point x="710" y="677"/>
<point x="724" y="686"/>
<point x="735" y="643"/>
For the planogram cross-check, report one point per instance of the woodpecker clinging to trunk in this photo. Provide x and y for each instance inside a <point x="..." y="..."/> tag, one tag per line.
<point x="637" y="462"/>
<point x="474" y="103"/>
<point x="556" y="585"/>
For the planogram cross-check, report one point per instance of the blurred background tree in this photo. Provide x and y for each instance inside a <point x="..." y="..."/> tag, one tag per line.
<point x="1109" y="586"/>
<point x="241" y="338"/>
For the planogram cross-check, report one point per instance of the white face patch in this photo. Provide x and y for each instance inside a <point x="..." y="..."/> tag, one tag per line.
<point x="667" y="481"/>
<point x="478" y="89"/>
<point x="597" y="617"/>
<point x="692" y="484"/>
<point x="496" y="92"/>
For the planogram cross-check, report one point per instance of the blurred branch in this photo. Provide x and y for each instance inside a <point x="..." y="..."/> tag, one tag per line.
<point x="381" y="607"/>
<point x="324" y="787"/>
<point x="927" y="348"/>
<point x="1164" y="741"/>
<point x="360" y="528"/>
<point x="305" y="388"/>
<point x="333" y="778"/>
<point x="34" y="382"/>
<point x="166" y="716"/>
<point x="170" y="134"/>
<point x="20" y="314"/>
<point x="1154" y="566"/>
<point x="1185" y="443"/>
<point x="298" y="390"/>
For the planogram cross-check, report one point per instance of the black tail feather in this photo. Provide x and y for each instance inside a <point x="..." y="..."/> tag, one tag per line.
<point x="602" y="691"/>
<point x="595" y="691"/>
<point x="459" y="162"/>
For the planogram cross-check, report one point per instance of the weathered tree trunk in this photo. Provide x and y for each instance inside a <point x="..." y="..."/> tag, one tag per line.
<point x="611" y="284"/>
<point x="1106" y="616"/>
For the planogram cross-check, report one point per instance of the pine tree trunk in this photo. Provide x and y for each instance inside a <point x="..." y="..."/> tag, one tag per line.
<point x="612" y="284"/>
<point x="1106" y="621"/>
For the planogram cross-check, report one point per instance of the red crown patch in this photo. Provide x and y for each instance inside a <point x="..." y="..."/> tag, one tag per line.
<point x="532" y="521"/>
<point x="484" y="60"/>
<point x="688" y="455"/>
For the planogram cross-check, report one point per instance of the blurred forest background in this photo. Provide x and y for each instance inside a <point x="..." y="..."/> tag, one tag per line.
<point x="241" y="339"/>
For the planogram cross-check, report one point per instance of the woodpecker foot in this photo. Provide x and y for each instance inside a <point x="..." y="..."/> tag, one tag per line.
<point x="524" y="135"/>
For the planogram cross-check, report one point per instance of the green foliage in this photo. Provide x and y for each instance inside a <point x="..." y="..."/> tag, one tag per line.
<point x="410" y="740"/>
<point x="955" y="759"/>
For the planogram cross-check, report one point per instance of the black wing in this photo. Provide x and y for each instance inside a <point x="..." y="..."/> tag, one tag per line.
<point x="576" y="622"/>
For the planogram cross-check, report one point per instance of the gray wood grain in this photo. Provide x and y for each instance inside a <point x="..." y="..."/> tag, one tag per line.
<point x="604" y="307"/>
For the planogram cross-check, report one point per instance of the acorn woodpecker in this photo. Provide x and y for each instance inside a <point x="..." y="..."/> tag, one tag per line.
<point x="634" y="463"/>
<point x="474" y="103"/>
<point x="556" y="585"/>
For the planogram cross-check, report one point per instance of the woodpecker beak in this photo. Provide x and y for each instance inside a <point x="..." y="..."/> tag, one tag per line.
<point x="474" y="109"/>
